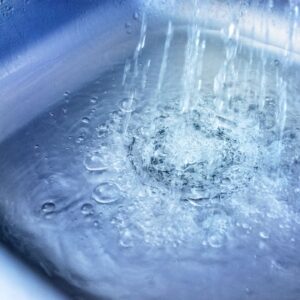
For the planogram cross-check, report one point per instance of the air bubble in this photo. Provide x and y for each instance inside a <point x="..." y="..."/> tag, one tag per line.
<point x="96" y="224"/>
<point x="87" y="209"/>
<point x="276" y="62"/>
<point x="80" y="139"/>
<point x="48" y="207"/>
<point x="128" y="27"/>
<point x="95" y="162"/>
<point x="85" y="120"/>
<point x="106" y="193"/>
<point x="135" y="15"/>
<point x="94" y="99"/>
<point x="216" y="240"/>
<point x="126" y="239"/>
<point x="264" y="235"/>
<point x="128" y="104"/>
<point x="102" y="130"/>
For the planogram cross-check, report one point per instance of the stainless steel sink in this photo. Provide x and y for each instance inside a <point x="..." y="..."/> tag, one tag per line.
<point x="110" y="112"/>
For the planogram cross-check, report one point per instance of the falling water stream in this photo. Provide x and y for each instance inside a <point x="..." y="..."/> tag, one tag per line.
<point x="184" y="157"/>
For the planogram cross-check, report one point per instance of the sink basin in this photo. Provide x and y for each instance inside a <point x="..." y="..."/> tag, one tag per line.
<point x="150" y="149"/>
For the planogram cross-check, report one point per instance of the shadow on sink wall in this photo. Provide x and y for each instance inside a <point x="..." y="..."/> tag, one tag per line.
<point x="23" y="22"/>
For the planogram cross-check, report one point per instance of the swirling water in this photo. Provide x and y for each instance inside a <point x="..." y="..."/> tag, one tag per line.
<point x="174" y="174"/>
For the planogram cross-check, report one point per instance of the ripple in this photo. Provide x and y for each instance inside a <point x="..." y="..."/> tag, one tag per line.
<point x="197" y="158"/>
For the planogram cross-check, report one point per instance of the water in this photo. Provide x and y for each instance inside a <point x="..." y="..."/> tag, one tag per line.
<point x="176" y="172"/>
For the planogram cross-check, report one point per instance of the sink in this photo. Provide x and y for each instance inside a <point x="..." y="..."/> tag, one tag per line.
<point x="150" y="149"/>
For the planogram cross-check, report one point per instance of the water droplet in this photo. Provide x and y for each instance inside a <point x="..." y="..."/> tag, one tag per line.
<point x="135" y="15"/>
<point x="231" y="30"/>
<point x="246" y="226"/>
<point x="95" y="162"/>
<point x="196" y="196"/>
<point x="276" y="62"/>
<point x="80" y="139"/>
<point x="126" y="239"/>
<point x="263" y="235"/>
<point x="87" y="209"/>
<point x="94" y="99"/>
<point x="128" y="27"/>
<point x="128" y="104"/>
<point x="85" y="120"/>
<point x="96" y="224"/>
<point x="102" y="130"/>
<point x="48" y="207"/>
<point x="248" y="291"/>
<point x="216" y="240"/>
<point x="106" y="193"/>
<point x="267" y="120"/>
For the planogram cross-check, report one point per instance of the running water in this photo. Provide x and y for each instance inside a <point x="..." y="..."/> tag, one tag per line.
<point x="184" y="157"/>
